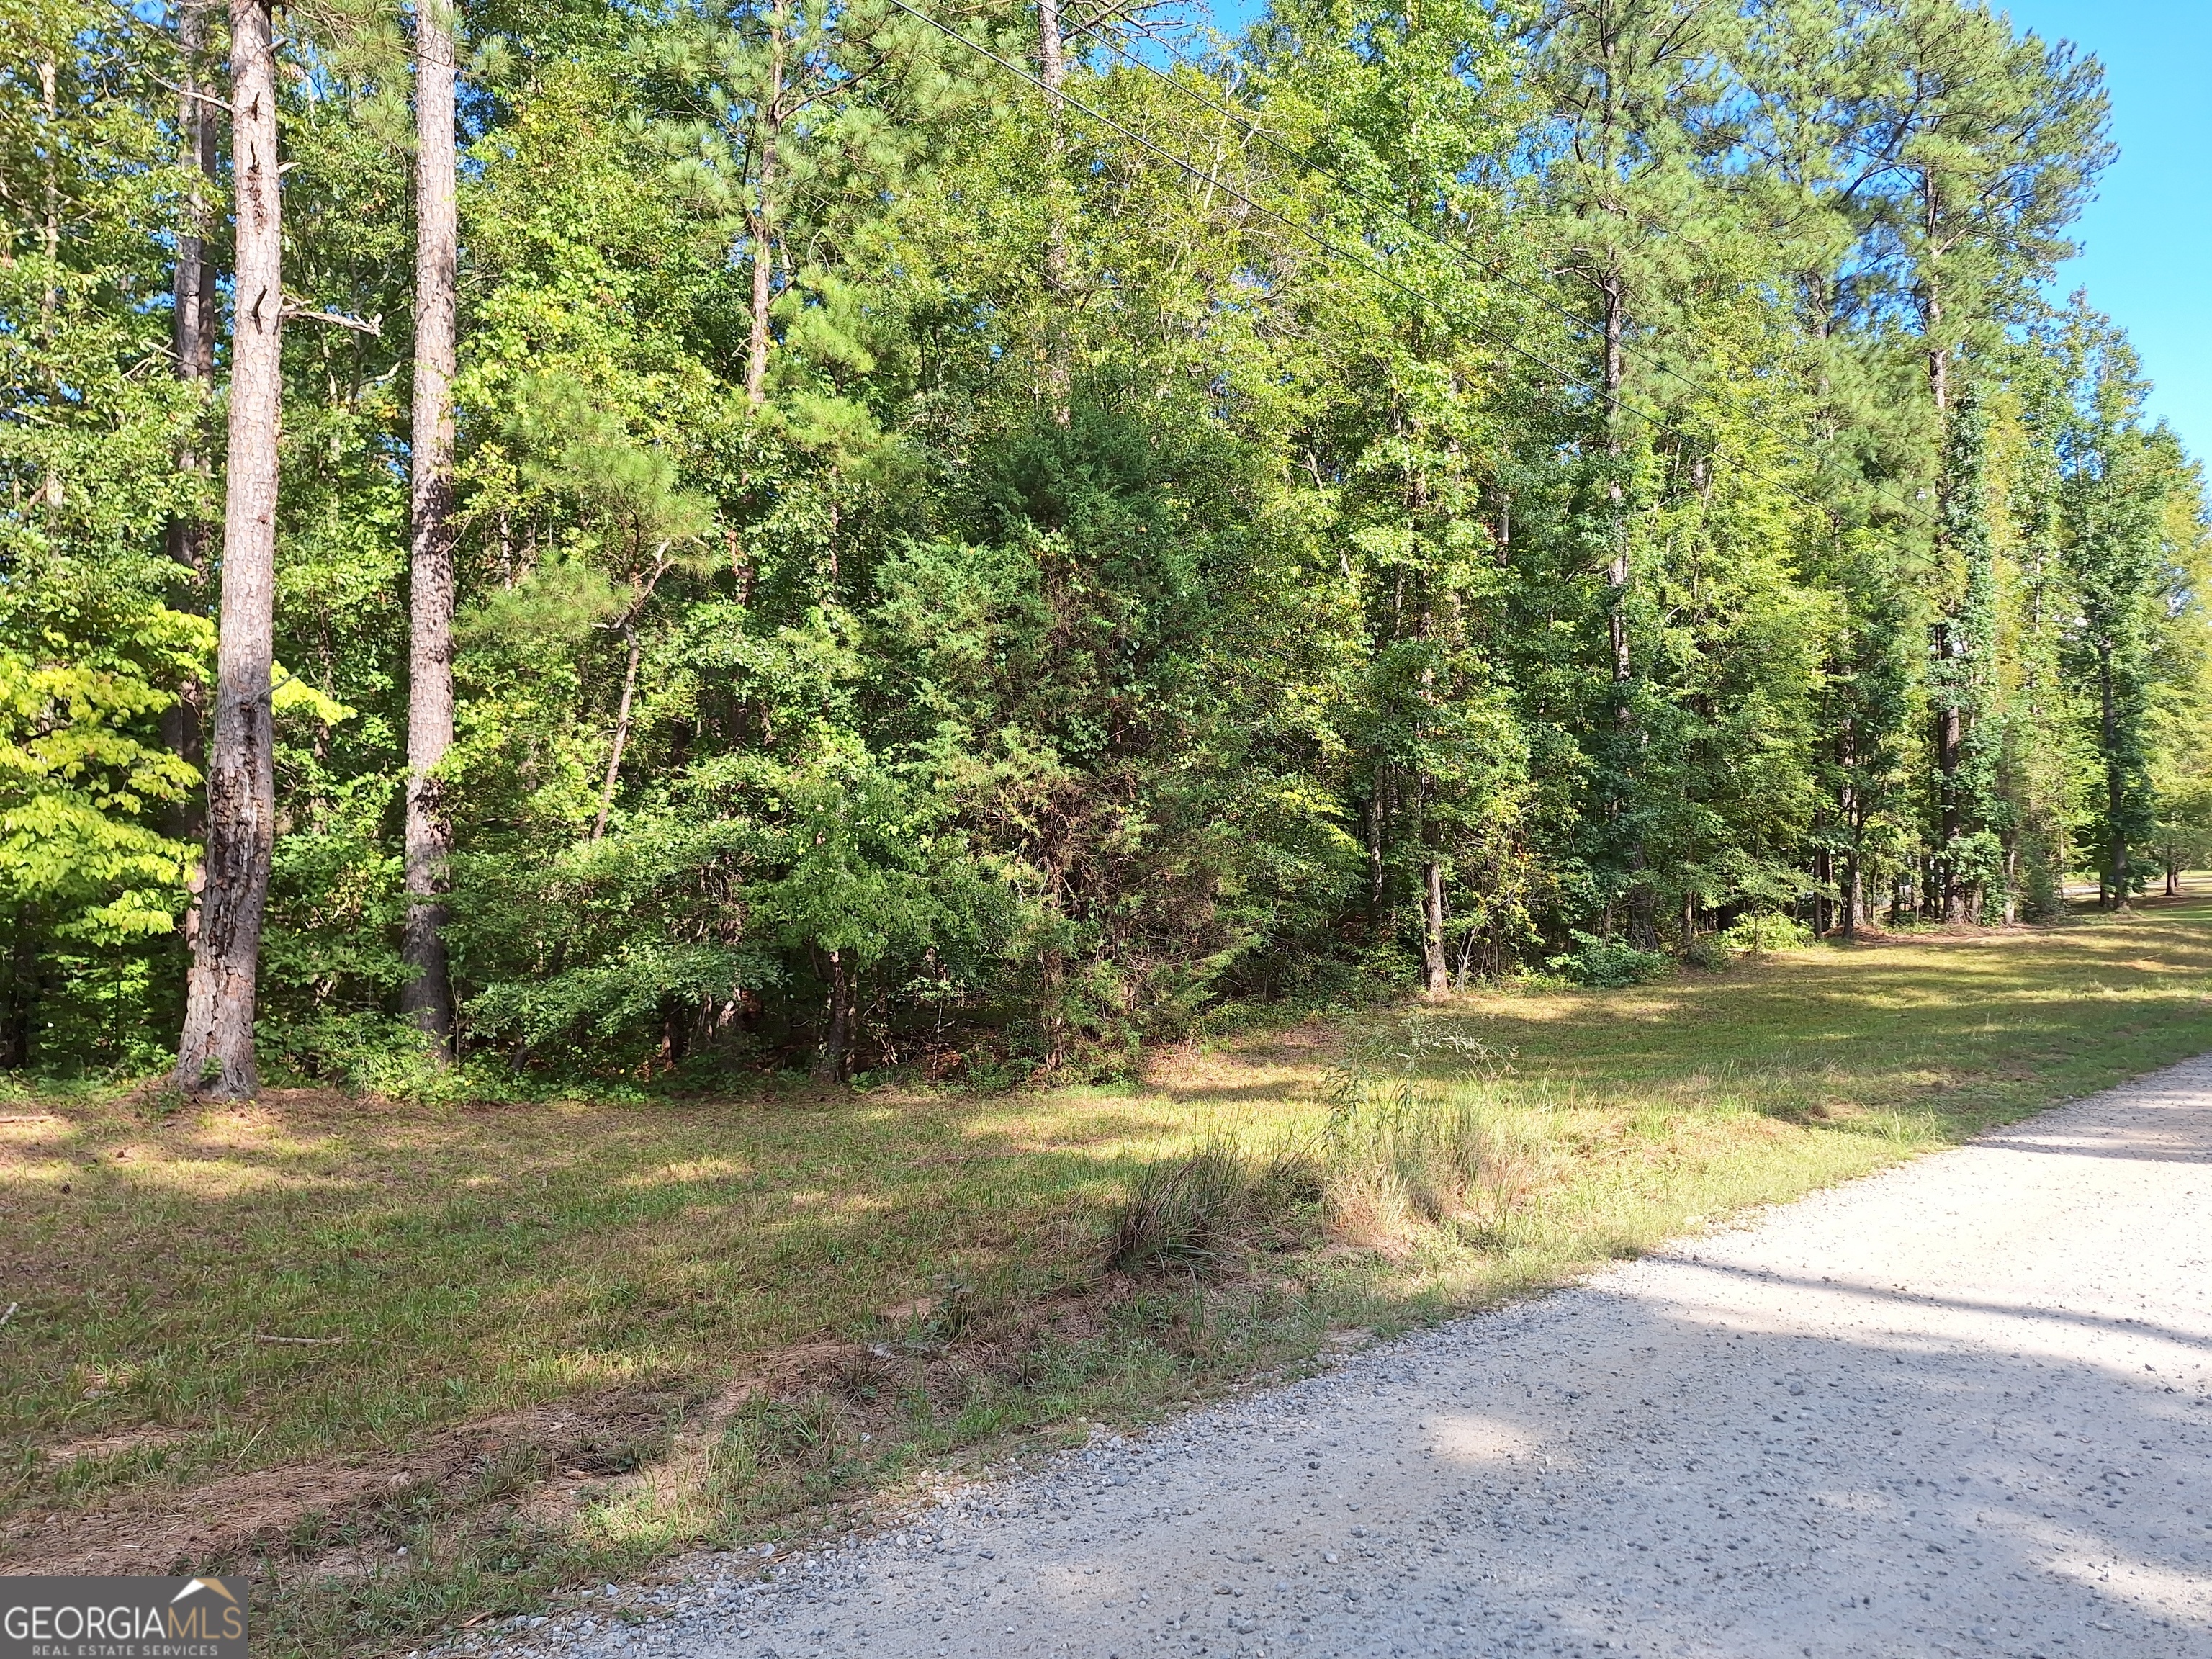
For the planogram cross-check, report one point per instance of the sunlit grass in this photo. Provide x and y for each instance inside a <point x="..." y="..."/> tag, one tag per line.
<point x="431" y="1266"/>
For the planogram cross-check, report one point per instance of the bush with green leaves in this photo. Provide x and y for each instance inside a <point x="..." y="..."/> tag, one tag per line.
<point x="1608" y="963"/>
<point x="1707" y="951"/>
<point x="1766" y="930"/>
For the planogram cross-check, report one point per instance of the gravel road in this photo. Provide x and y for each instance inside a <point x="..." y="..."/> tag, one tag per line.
<point x="1962" y="1408"/>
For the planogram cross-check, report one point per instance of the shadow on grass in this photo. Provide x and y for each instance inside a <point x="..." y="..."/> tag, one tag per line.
<point x="314" y="1275"/>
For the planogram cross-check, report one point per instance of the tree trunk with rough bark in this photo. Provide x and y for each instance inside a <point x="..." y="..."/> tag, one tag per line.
<point x="219" y="1006"/>
<point x="1052" y="71"/>
<point x="1436" y="969"/>
<point x="1617" y="573"/>
<point x="1378" y="850"/>
<point x="761" y="227"/>
<point x="2116" y="785"/>
<point x="426" y="997"/>
<point x="1947" y="897"/>
<point x="192" y="326"/>
<point x="837" y="1037"/>
<point x="1643" y="919"/>
<point x="50" y="240"/>
<point x="1052" y="57"/>
<point x="1854" y="828"/>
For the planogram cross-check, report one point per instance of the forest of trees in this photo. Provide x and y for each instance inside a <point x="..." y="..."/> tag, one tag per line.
<point x="647" y="540"/>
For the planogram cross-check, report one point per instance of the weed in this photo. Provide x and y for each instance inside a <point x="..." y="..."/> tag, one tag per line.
<point x="158" y="1101"/>
<point x="1899" y="1129"/>
<point x="803" y="1432"/>
<point x="1394" y="1062"/>
<point x="1443" y="1161"/>
<point x="618" y="1453"/>
<point x="308" y="1533"/>
<point x="1181" y="1210"/>
<point x="509" y="1473"/>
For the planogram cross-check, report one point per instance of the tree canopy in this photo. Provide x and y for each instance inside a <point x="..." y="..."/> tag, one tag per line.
<point x="978" y="536"/>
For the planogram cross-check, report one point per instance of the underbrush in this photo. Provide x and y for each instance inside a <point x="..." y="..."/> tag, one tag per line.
<point x="1609" y="963"/>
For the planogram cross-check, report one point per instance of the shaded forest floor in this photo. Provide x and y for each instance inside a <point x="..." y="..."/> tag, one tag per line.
<point x="417" y="1367"/>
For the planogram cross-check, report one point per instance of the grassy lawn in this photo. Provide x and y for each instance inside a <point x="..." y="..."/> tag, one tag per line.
<point x="540" y="1344"/>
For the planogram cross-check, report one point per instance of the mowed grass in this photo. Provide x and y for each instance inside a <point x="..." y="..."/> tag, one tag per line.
<point x="318" y="1278"/>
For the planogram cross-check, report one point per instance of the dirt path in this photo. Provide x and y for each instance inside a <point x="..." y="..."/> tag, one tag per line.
<point x="1965" y="1408"/>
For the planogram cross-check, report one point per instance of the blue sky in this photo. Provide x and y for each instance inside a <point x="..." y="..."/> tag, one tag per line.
<point x="2147" y="241"/>
<point x="2147" y="238"/>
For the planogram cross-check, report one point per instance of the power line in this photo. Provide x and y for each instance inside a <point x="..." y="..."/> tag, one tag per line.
<point x="1329" y="245"/>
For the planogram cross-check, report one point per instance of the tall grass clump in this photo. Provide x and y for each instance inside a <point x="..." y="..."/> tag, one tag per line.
<point x="1183" y="1210"/>
<point x="1463" y="1162"/>
<point x="1415" y="1139"/>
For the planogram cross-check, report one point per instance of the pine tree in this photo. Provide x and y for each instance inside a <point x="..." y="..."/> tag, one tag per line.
<point x="1968" y="735"/>
<point x="192" y="329"/>
<point x="426" y="997"/>
<point x="1634" y="82"/>
<point x="241" y="811"/>
<point x="2112" y="496"/>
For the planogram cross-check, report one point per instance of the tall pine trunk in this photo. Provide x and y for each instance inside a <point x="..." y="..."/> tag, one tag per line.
<point x="1950" y="741"/>
<point x="1643" y="915"/>
<point x="1052" y="71"/>
<point x="1962" y="639"/>
<point x="50" y="240"/>
<point x="1052" y="56"/>
<point x="761" y="224"/>
<point x="193" y="325"/>
<point x="1942" y="899"/>
<point x="1617" y="573"/>
<point x="1854" y="827"/>
<point x="427" y="996"/>
<point x="218" y="1033"/>
<point x="2115" y="881"/>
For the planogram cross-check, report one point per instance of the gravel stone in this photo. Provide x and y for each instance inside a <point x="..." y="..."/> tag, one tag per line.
<point x="1963" y="1406"/>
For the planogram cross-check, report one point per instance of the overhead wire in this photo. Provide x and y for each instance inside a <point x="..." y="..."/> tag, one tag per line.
<point x="1364" y="257"/>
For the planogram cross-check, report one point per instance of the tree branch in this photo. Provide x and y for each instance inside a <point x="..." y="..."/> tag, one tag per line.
<point x="359" y="325"/>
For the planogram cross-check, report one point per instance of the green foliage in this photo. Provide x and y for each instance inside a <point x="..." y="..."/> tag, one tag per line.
<point x="1608" y="963"/>
<point x="943" y="582"/>
<point x="1766" y="930"/>
<point x="1705" y="951"/>
<point x="81" y="776"/>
